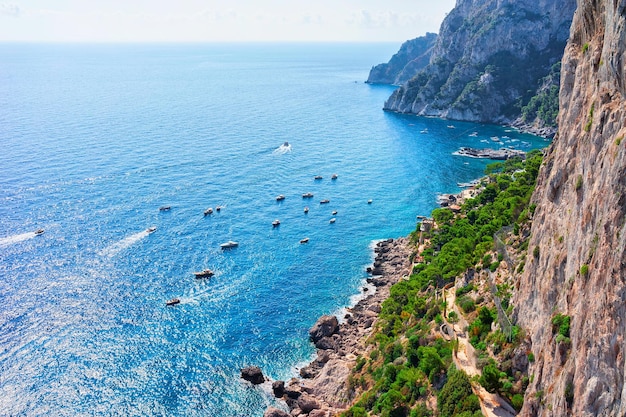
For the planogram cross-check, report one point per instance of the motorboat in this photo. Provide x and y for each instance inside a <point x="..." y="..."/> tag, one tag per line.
<point x="208" y="211"/>
<point x="276" y="223"/>
<point x="307" y="195"/>
<point x="334" y="177"/>
<point x="324" y="201"/>
<point x="228" y="245"/>
<point x="172" y="302"/>
<point x="218" y="208"/>
<point x="306" y="209"/>
<point x="286" y="144"/>
<point x="334" y="212"/>
<point x="165" y="208"/>
<point x="280" y="197"/>
<point x="333" y="220"/>
<point x="318" y="177"/>
<point x="305" y="240"/>
<point x="39" y="232"/>
<point x="150" y="229"/>
<point x="204" y="273"/>
<point x="369" y="201"/>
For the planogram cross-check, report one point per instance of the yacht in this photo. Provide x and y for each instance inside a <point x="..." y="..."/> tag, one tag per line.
<point x="228" y="245"/>
<point x="204" y="274"/>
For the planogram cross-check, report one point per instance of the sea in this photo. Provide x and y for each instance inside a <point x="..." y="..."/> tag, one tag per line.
<point x="96" y="138"/>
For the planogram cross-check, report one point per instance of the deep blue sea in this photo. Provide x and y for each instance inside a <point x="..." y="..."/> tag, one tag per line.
<point x="95" y="138"/>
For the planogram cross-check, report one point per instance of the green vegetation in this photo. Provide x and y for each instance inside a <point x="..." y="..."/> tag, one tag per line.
<point x="579" y="182"/>
<point x="560" y="327"/>
<point x="590" y="118"/>
<point x="584" y="270"/>
<point x="585" y="47"/>
<point x="618" y="140"/>
<point x="407" y="363"/>
<point x="545" y="104"/>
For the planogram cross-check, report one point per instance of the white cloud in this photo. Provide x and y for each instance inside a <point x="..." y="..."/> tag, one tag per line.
<point x="9" y="9"/>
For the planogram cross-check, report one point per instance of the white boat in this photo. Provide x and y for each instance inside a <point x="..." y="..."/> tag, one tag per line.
<point x="228" y="245"/>
<point x="307" y="195"/>
<point x="333" y="220"/>
<point x="369" y="201"/>
<point x="40" y="232"/>
<point x="324" y="201"/>
<point x="318" y="177"/>
<point x="204" y="273"/>
<point x="172" y="302"/>
<point x="150" y="229"/>
<point x="305" y="240"/>
<point x="208" y="211"/>
<point x="280" y="197"/>
<point x="306" y="209"/>
<point x="334" y="177"/>
<point x="276" y="223"/>
<point x="334" y="212"/>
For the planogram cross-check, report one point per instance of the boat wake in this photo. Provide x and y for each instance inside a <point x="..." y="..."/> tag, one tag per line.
<point x="125" y="243"/>
<point x="282" y="149"/>
<point x="11" y="240"/>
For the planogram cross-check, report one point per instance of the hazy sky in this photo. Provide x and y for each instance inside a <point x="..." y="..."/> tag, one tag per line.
<point x="208" y="20"/>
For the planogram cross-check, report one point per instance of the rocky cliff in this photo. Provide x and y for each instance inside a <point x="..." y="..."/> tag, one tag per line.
<point x="408" y="61"/>
<point x="489" y="60"/>
<point x="572" y="296"/>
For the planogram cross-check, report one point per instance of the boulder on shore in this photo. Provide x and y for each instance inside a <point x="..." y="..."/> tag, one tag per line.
<point x="275" y="412"/>
<point x="325" y="326"/>
<point x="253" y="374"/>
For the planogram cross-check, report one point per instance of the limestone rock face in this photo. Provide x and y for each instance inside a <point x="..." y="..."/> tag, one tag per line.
<point x="412" y="57"/>
<point x="579" y="228"/>
<point x="489" y="57"/>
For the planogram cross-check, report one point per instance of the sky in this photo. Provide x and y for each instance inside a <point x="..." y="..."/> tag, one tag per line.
<point x="219" y="21"/>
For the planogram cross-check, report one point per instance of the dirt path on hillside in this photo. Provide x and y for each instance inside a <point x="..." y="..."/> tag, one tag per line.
<point x="491" y="405"/>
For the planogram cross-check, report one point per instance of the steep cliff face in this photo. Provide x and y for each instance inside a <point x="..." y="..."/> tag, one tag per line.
<point x="489" y="60"/>
<point x="579" y="267"/>
<point x="408" y="61"/>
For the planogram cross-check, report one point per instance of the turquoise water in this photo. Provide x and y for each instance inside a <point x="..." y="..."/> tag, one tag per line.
<point x="95" y="138"/>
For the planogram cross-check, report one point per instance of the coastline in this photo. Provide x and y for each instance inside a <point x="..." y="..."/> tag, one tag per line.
<point x="322" y="389"/>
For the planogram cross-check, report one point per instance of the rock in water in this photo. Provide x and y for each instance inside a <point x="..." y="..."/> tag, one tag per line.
<point x="325" y="326"/>
<point x="253" y="374"/>
<point x="278" y="387"/>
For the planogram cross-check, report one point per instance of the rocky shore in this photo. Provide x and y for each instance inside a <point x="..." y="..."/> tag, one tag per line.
<point x="322" y="390"/>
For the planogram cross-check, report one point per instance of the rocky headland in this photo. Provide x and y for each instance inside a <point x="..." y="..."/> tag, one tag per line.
<point x="413" y="55"/>
<point x="494" y="61"/>
<point x="322" y="390"/>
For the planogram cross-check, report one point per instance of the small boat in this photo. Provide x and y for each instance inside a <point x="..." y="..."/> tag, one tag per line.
<point x="333" y="220"/>
<point x="306" y="209"/>
<point x="334" y="212"/>
<point x="369" y="201"/>
<point x="280" y="197"/>
<point x="165" y="208"/>
<point x="276" y="223"/>
<point x="424" y="131"/>
<point x="228" y="245"/>
<point x="318" y="177"/>
<point x="495" y="139"/>
<point x="151" y="229"/>
<point x="208" y="211"/>
<point x="307" y="195"/>
<point x="473" y="134"/>
<point x="172" y="302"/>
<point x="305" y="240"/>
<point x="324" y="201"/>
<point x="39" y="232"/>
<point x="218" y="208"/>
<point x="204" y="273"/>
<point x="334" y="177"/>
<point x="451" y="127"/>
<point x="286" y="144"/>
